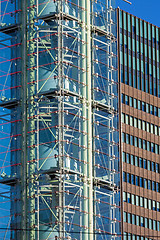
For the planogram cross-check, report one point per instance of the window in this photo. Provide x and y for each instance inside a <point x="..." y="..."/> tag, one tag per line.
<point x="157" y="168"/>
<point x="133" y="219"/>
<point x="140" y="143"/>
<point x="125" y="236"/>
<point x="137" y="200"/>
<point x="125" y="217"/>
<point x="154" y="205"/>
<point x="154" y="225"/>
<point x="139" y="123"/>
<point x="141" y="202"/>
<point x="142" y="221"/>
<point x="144" y="145"/>
<point x="152" y="147"/>
<point x="128" y="197"/>
<point x="148" y="127"/>
<point x="128" y="157"/>
<point x="144" y="163"/>
<point x="131" y="121"/>
<point x="152" y="109"/>
<point x="158" y="206"/>
<point x="129" y="236"/>
<point x="123" y="118"/>
<point x="128" y="178"/>
<point x="152" y="128"/>
<point x="153" y="185"/>
<point x="158" y="226"/>
<point x="133" y="179"/>
<point x="143" y="106"/>
<point x="126" y="100"/>
<point x="134" y="237"/>
<point x="153" y="166"/>
<point x="131" y="101"/>
<point x="156" y="130"/>
<point x="135" y="122"/>
<point x="132" y="140"/>
<point x="157" y="187"/>
<point x="137" y="181"/>
<point x="156" y="149"/>
<point x="137" y="220"/>
<point x="149" y="165"/>
<point x="145" y="203"/>
<point x="141" y="162"/>
<point x="143" y="125"/>
<point x="132" y="160"/>
<point x="123" y="137"/>
<point x="133" y="199"/>
<point x="124" y="196"/>
<point x="129" y="218"/>
<point x="149" y="204"/>
<point x="136" y="161"/>
<point x="146" y="222"/>
<point x="127" y="138"/>
<point x="127" y="119"/>
<point x="147" y="108"/>
<point x="135" y="103"/>
<point x="150" y="224"/>
<point x="145" y="183"/>
<point x="149" y="185"/>
<point x="148" y="146"/>
<point x="124" y="156"/>
<point x="139" y="105"/>
<point x="155" y="111"/>
<point x="135" y="141"/>
<point x="141" y="182"/>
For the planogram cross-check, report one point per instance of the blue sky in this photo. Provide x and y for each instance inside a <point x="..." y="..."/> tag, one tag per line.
<point x="149" y="10"/>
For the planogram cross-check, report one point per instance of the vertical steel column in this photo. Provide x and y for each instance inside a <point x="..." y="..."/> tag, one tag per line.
<point x="24" y="170"/>
<point x="84" y="123"/>
<point x="89" y="116"/>
<point x="31" y="122"/>
<point x="61" y="124"/>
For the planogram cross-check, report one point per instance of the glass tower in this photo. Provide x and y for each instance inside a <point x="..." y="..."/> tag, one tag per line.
<point x="59" y="156"/>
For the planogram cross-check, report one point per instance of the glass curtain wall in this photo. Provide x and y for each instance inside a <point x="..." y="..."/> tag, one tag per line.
<point x="59" y="120"/>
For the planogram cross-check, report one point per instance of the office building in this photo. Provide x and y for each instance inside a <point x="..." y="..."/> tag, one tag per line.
<point x="139" y="79"/>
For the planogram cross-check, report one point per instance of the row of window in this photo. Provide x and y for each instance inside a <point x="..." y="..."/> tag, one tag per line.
<point x="140" y="143"/>
<point x="138" y="26"/>
<point x="141" y="221"/>
<point x="129" y="236"/>
<point x="141" y="124"/>
<point x="138" y="79"/>
<point x="136" y="42"/>
<point x="141" y="162"/>
<point x="140" y="105"/>
<point x="141" y="182"/>
<point x="133" y="54"/>
<point x="141" y="201"/>
<point x="139" y="38"/>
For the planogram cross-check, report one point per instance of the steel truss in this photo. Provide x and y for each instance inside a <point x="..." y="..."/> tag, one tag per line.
<point x="59" y="105"/>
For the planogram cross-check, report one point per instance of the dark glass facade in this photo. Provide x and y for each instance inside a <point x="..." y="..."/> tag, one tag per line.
<point x="139" y="54"/>
<point x="139" y="92"/>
